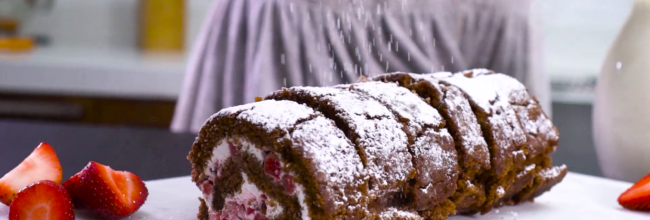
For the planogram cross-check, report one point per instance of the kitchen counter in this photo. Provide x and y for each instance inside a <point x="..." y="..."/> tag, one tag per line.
<point x="121" y="73"/>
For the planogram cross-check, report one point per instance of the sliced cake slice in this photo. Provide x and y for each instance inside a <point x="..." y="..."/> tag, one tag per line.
<point x="375" y="131"/>
<point x="541" y="135"/>
<point x="430" y="144"/>
<point x="501" y="128"/>
<point x="472" y="150"/>
<point x="277" y="160"/>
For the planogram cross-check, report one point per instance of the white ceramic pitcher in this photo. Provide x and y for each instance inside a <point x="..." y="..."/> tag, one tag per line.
<point x="621" y="123"/>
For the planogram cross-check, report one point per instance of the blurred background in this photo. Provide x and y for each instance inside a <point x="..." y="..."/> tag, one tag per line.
<point x="107" y="75"/>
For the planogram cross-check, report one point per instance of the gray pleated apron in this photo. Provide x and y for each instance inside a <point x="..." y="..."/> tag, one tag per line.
<point x="249" y="48"/>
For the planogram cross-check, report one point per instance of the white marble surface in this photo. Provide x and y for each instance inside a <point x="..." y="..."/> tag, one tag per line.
<point x="577" y="197"/>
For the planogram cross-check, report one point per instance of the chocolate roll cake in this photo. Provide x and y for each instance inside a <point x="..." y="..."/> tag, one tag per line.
<point x="399" y="146"/>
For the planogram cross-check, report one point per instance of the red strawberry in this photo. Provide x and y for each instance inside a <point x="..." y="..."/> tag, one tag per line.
<point x="44" y="200"/>
<point x="72" y="186"/>
<point x="41" y="164"/>
<point x="272" y="166"/>
<point x="107" y="193"/>
<point x="637" y="197"/>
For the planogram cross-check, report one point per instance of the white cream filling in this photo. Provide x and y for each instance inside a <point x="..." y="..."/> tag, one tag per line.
<point x="250" y="192"/>
<point x="250" y="148"/>
<point x="221" y="152"/>
<point x="273" y="210"/>
<point x="300" y="192"/>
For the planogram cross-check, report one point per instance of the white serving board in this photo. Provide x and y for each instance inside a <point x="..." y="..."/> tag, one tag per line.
<point x="577" y="197"/>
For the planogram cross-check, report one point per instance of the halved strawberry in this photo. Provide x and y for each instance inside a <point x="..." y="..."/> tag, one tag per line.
<point x="637" y="197"/>
<point x="41" y="164"/>
<point x="72" y="186"/>
<point x="45" y="200"/>
<point x="108" y="193"/>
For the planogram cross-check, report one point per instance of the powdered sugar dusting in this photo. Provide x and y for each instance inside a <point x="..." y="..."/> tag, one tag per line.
<point x="505" y="86"/>
<point x="471" y="136"/>
<point x="269" y="114"/>
<point x="273" y="114"/>
<point x="431" y="76"/>
<point x="500" y="191"/>
<point x="519" y="153"/>
<point x="377" y="132"/>
<point x="336" y="162"/>
<point x="504" y="144"/>
<point x="507" y="131"/>
<point x="529" y="112"/>
<point x="538" y="127"/>
<point x="436" y="157"/>
<point x="552" y="172"/>
<point x="403" y="102"/>
<point x="460" y="113"/>
<point x="483" y="95"/>
<point x="526" y="170"/>
<point x="394" y="214"/>
<point x="459" y="116"/>
<point x="529" y="167"/>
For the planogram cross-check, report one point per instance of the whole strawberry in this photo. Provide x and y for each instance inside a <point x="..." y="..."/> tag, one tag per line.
<point x="637" y="197"/>
<point x="107" y="193"/>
